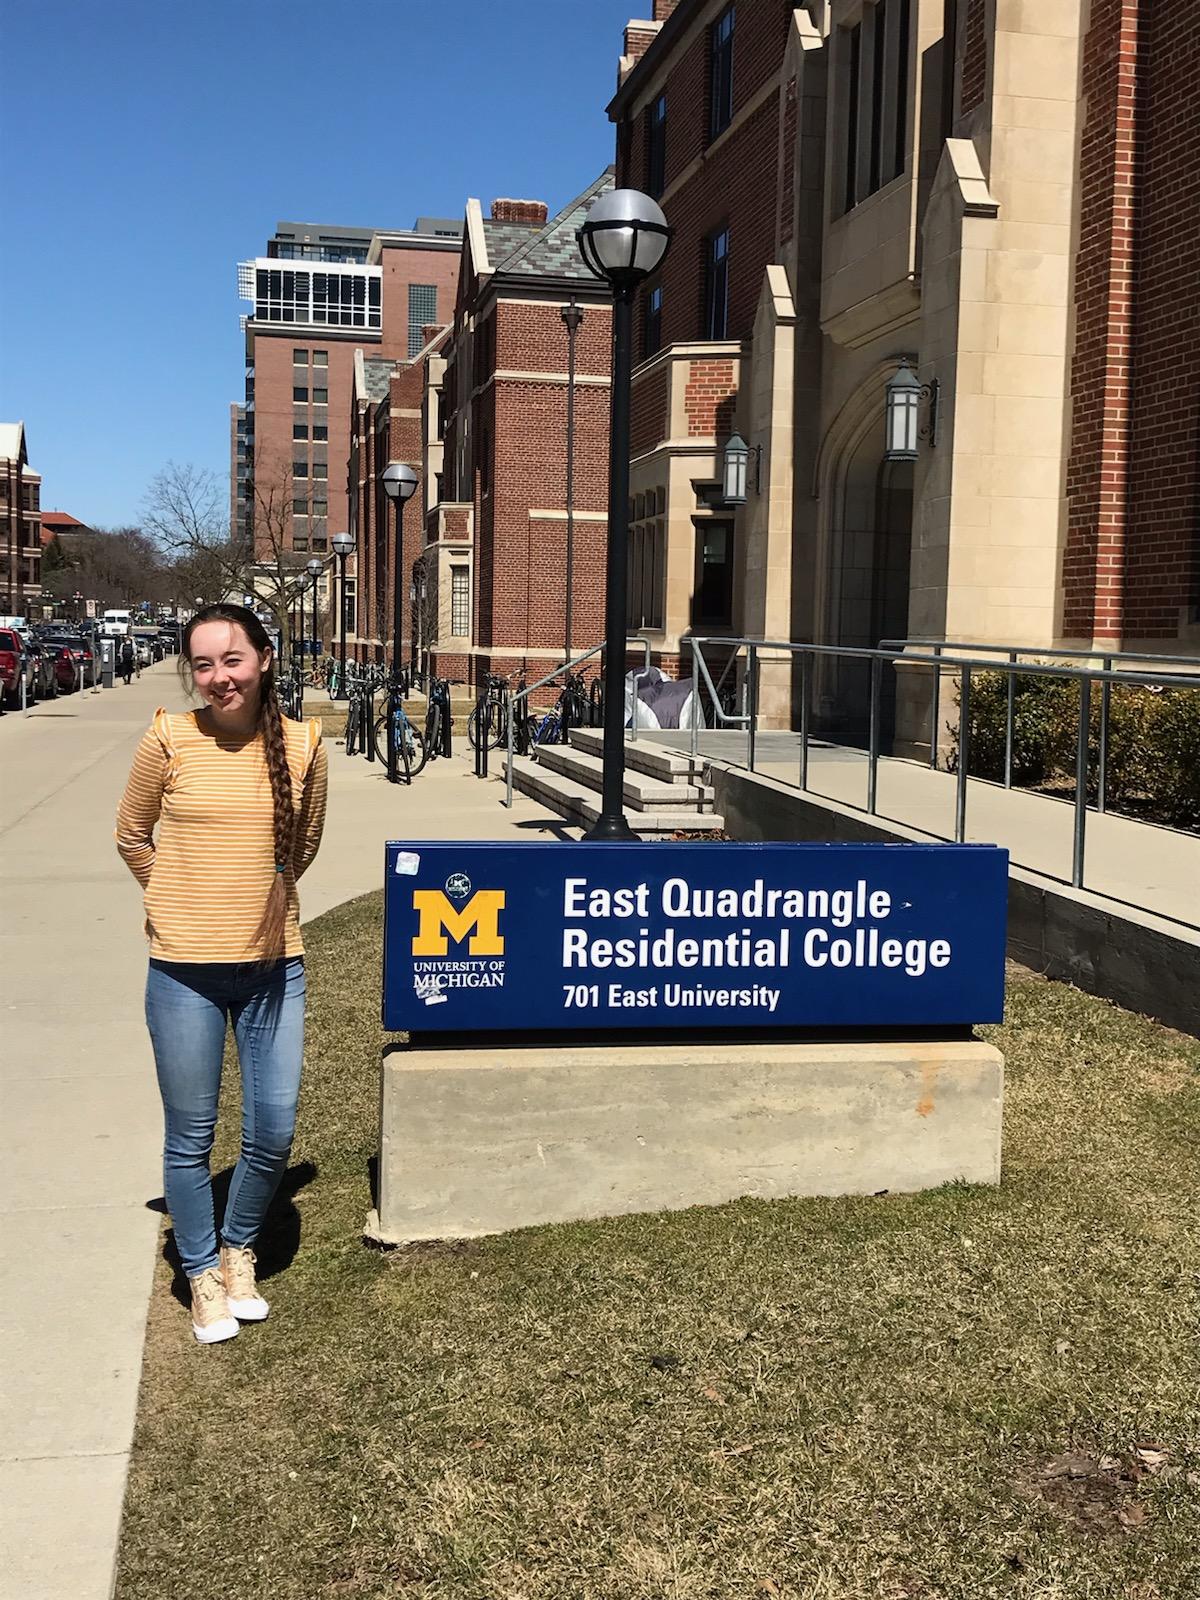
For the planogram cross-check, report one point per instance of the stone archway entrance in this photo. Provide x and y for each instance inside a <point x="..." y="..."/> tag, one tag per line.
<point x="868" y="547"/>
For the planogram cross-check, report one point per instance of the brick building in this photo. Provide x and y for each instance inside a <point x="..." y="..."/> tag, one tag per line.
<point x="481" y="412"/>
<point x="21" y="521"/>
<point x="319" y="294"/>
<point x="1004" y="195"/>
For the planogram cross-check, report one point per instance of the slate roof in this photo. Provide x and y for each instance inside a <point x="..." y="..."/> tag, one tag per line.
<point x="505" y="237"/>
<point x="552" y="251"/>
<point x="377" y="374"/>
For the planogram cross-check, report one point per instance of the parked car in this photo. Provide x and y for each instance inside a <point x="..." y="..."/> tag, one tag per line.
<point x="65" y="671"/>
<point x="82" y="654"/>
<point x="12" y="665"/>
<point x="45" y="679"/>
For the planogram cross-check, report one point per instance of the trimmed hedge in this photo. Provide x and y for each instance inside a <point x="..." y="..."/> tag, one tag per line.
<point x="1153" y="742"/>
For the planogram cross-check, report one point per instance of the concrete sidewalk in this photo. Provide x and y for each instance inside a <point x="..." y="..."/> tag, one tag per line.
<point x="80" y="1124"/>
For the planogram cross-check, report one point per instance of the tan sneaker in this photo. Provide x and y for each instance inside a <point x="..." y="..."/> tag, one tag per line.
<point x="212" y="1320"/>
<point x="237" y="1268"/>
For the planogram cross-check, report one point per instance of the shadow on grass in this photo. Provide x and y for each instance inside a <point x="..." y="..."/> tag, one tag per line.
<point x="278" y="1242"/>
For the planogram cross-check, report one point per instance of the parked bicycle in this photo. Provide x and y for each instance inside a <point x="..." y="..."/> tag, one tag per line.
<point x="412" y="748"/>
<point x="488" y="723"/>
<point x="438" y="719"/>
<point x="572" y="709"/>
<point x="363" y="682"/>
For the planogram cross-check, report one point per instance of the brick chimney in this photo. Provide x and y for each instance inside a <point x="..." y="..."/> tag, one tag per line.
<point x="663" y="9"/>
<point x="639" y="36"/>
<point x="531" y="211"/>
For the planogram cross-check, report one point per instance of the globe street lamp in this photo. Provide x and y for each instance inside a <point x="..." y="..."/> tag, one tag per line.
<point x="572" y="318"/>
<point x="399" y="484"/>
<point x="314" y="568"/>
<point x="343" y="546"/>
<point x="623" y="241"/>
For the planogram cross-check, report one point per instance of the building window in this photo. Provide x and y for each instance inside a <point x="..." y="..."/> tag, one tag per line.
<point x="652" y="330"/>
<point x="320" y="469"/>
<point x="300" y="507"/>
<point x="320" y="431"/>
<point x="300" y="540"/>
<point x="300" y="469"/>
<point x="713" y="602"/>
<point x="300" y="392"/>
<point x="320" y="397"/>
<point x="299" y="358"/>
<point x="460" y="602"/>
<point x="299" y="430"/>
<point x="647" y="573"/>
<point x="320" y="358"/>
<point x="656" y="147"/>
<point x="350" y="590"/>
<point x="422" y="310"/>
<point x="720" y="73"/>
<point x="320" y="508"/>
<point x="320" y="542"/>
<point x="716" y="295"/>
<point x="872" y="65"/>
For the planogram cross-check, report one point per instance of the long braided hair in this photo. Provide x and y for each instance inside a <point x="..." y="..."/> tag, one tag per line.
<point x="270" y="725"/>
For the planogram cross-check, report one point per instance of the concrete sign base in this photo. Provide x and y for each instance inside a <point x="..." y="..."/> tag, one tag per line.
<point x="483" y="1139"/>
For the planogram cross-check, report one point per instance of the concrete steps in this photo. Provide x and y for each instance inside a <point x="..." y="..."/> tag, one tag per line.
<point x="642" y="792"/>
<point x="642" y="755"/>
<point x="661" y="792"/>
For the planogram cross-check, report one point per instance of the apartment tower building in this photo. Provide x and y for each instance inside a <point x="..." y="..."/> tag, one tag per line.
<point x="318" y="294"/>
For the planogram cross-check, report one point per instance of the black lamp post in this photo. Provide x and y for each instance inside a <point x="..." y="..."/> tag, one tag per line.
<point x="623" y="241"/>
<point x="572" y="317"/>
<point x="343" y="545"/>
<point x="314" y="568"/>
<point x="399" y="484"/>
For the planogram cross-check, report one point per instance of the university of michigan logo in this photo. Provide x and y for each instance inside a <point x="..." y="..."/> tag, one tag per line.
<point x="479" y="918"/>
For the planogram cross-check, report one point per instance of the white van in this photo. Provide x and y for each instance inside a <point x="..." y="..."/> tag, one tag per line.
<point x="113" y="624"/>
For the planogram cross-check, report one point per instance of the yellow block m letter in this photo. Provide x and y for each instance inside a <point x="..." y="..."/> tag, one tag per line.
<point x="480" y="918"/>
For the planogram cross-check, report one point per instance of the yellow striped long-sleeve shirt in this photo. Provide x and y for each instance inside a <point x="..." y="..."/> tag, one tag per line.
<point x="208" y="874"/>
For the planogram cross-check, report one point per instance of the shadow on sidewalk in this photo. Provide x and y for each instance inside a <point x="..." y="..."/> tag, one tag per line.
<point x="280" y="1237"/>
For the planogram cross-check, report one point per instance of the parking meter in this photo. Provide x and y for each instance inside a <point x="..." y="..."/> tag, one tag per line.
<point x="108" y="661"/>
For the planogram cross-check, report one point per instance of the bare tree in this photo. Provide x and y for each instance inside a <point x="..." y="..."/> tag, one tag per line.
<point x="113" y="566"/>
<point x="187" y="512"/>
<point x="276" y="574"/>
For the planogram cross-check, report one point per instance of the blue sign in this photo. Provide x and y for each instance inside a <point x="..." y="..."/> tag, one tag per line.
<point x="509" y="937"/>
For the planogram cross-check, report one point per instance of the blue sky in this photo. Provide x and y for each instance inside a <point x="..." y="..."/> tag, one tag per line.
<point x="155" y="143"/>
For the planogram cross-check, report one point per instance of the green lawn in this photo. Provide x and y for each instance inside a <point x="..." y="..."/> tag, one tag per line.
<point x="935" y="1397"/>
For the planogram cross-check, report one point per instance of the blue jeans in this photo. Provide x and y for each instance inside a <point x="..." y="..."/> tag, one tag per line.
<point x="187" y="1007"/>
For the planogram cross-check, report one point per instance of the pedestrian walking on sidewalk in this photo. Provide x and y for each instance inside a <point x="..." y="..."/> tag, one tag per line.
<point x="127" y="660"/>
<point x="237" y="792"/>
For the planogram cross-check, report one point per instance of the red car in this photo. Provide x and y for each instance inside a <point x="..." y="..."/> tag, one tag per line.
<point x="81" y="654"/>
<point x="11" y="664"/>
<point x="66" y="672"/>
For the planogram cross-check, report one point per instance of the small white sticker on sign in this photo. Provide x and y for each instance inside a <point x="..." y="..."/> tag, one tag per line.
<point x="407" y="863"/>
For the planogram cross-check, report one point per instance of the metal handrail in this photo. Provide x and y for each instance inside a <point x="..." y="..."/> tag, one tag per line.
<point x="878" y="656"/>
<point x="568" y="666"/>
<point x="1013" y="652"/>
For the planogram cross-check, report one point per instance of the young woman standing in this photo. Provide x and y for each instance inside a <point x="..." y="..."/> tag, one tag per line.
<point x="238" y="793"/>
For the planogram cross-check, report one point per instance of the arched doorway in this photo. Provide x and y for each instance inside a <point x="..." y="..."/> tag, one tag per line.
<point x="868" y="549"/>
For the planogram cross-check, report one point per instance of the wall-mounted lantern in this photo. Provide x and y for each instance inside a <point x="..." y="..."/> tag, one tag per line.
<point x="736" y="471"/>
<point x="902" y="413"/>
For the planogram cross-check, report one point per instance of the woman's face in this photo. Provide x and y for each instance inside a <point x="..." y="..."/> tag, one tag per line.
<point x="227" y="669"/>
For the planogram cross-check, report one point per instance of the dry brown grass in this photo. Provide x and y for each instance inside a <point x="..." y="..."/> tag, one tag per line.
<point x="929" y="1397"/>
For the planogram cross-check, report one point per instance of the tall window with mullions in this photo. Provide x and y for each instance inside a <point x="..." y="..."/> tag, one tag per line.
<point x="460" y="602"/>
<point x="720" y="69"/>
